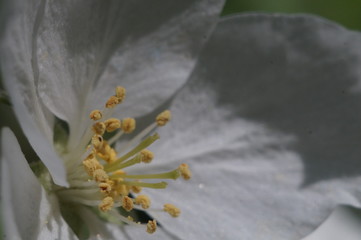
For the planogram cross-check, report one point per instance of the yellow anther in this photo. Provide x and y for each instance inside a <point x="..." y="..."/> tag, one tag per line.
<point x="112" y="156"/>
<point x="163" y="118"/>
<point x="97" y="141"/>
<point x="143" y="200"/>
<point x="146" y="156"/>
<point x="98" y="128"/>
<point x="95" y="115"/>
<point x="151" y="226"/>
<point x="185" y="171"/>
<point x="119" y="172"/>
<point x="136" y="189"/>
<point x="128" y="125"/>
<point x="127" y="203"/>
<point x="106" y="204"/>
<point x="107" y="153"/>
<point x="105" y="188"/>
<point x="112" y="102"/>
<point x="120" y="93"/>
<point x="172" y="210"/>
<point x="112" y="124"/>
<point x="100" y="175"/>
<point x="91" y="164"/>
<point x="123" y="190"/>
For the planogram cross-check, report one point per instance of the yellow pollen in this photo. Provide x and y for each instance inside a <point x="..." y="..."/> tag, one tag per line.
<point x="151" y="226"/>
<point x="123" y="189"/>
<point x="127" y="203"/>
<point x="136" y="189"/>
<point x="105" y="188"/>
<point x="112" y="155"/>
<point x="128" y="125"/>
<point x="112" y="102"/>
<point x="97" y="142"/>
<point x="112" y="124"/>
<point x="100" y="175"/>
<point x="163" y="118"/>
<point x="143" y="200"/>
<point x="98" y="128"/>
<point x="119" y="172"/>
<point x="146" y="156"/>
<point x="95" y="115"/>
<point x="91" y="164"/>
<point x="120" y="93"/>
<point x="185" y="171"/>
<point x="107" y="153"/>
<point x="171" y="209"/>
<point x="106" y="204"/>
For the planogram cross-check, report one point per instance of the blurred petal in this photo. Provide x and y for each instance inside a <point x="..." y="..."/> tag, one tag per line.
<point x="270" y="126"/>
<point x="146" y="44"/>
<point x="28" y="212"/>
<point x="134" y="233"/>
<point x="98" y="229"/>
<point x="20" y="78"/>
<point x="343" y="223"/>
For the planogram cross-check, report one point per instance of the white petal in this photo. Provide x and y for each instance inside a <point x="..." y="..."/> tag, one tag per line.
<point x="135" y="233"/>
<point x="20" y="77"/>
<point x="343" y="223"/>
<point x="150" y="47"/>
<point x="98" y="229"/>
<point x="270" y="126"/>
<point x="28" y="212"/>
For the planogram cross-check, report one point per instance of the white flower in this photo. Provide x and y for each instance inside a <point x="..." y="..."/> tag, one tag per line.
<point x="61" y="60"/>
<point x="269" y="122"/>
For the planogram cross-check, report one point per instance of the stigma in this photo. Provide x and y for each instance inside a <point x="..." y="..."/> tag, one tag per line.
<point x="100" y="178"/>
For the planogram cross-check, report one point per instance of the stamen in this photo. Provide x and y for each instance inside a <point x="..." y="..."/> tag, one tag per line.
<point x="163" y="118"/>
<point x="172" y="210"/>
<point x="127" y="203"/>
<point x="95" y="115"/>
<point x="120" y="93"/>
<point x="167" y="175"/>
<point x="128" y="125"/>
<point x="122" y="189"/>
<point x="104" y="183"/>
<point x="112" y="102"/>
<point x="134" y="160"/>
<point x="151" y="226"/>
<point x="97" y="142"/>
<point x="145" y="132"/>
<point x="91" y="164"/>
<point x="136" y="189"/>
<point x="112" y="124"/>
<point x="185" y="171"/>
<point x="158" y="185"/>
<point x="106" y="204"/>
<point x="146" y="156"/>
<point x="99" y="128"/>
<point x="139" y="136"/>
<point x="100" y="175"/>
<point x="105" y="187"/>
<point x="107" y="153"/>
<point x="115" y="137"/>
<point x="145" y="143"/>
<point x="143" y="200"/>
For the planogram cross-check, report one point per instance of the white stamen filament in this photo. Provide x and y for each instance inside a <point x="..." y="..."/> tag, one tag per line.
<point x="138" y="137"/>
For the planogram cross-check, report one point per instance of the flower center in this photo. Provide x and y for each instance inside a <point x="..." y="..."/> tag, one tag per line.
<point x="99" y="179"/>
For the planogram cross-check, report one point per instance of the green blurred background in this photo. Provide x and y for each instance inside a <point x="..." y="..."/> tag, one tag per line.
<point x="345" y="12"/>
